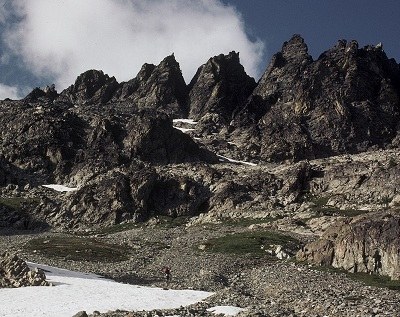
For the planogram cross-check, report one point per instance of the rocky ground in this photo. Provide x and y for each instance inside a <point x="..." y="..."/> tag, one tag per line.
<point x="262" y="284"/>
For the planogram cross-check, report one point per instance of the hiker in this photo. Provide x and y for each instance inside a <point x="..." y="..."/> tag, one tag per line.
<point x="167" y="273"/>
<point x="377" y="261"/>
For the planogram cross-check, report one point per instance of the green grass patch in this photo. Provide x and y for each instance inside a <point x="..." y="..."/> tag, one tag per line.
<point x="170" y="222"/>
<point x="17" y="202"/>
<point x="245" y="222"/>
<point x="322" y="209"/>
<point x="78" y="249"/>
<point x="249" y="243"/>
<point x="376" y="280"/>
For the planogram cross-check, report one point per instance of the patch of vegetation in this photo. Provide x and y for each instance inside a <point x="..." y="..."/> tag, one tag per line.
<point x="376" y="280"/>
<point x="159" y="221"/>
<point x="78" y="249"/>
<point x="250" y="243"/>
<point x="17" y="202"/>
<point x="245" y="222"/>
<point x="392" y="162"/>
<point x="171" y="222"/>
<point x="322" y="209"/>
<point x="386" y="200"/>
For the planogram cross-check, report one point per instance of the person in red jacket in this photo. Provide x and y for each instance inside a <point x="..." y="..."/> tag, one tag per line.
<point x="167" y="273"/>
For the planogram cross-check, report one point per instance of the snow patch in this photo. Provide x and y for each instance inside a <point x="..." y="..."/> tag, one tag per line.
<point x="184" y="129"/>
<point x="75" y="291"/>
<point x="224" y="158"/>
<point x="226" y="310"/>
<point x="188" y="121"/>
<point x="60" y="188"/>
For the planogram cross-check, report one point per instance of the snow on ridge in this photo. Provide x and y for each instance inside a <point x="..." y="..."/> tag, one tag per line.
<point x="75" y="291"/>
<point x="188" y="121"/>
<point x="184" y="129"/>
<point x="224" y="158"/>
<point x="60" y="188"/>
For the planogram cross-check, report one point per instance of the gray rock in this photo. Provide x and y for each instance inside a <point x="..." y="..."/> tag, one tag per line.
<point x="367" y="243"/>
<point x="14" y="272"/>
<point x="218" y="87"/>
<point x="346" y="101"/>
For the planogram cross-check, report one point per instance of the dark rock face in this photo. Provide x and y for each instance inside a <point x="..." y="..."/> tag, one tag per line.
<point x="368" y="243"/>
<point x="153" y="139"/>
<point x="49" y="93"/>
<point x="14" y="272"/>
<point x="133" y="194"/>
<point x="40" y="139"/>
<point x="178" y="197"/>
<point x="8" y="173"/>
<point x="218" y="87"/>
<point x="92" y="86"/>
<point x="159" y="88"/>
<point x="347" y="101"/>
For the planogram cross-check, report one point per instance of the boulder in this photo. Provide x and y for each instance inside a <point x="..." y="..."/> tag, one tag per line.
<point x="367" y="243"/>
<point x="14" y="272"/>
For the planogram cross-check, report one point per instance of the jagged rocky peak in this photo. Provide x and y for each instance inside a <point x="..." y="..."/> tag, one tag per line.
<point x="160" y="87"/>
<point x="295" y="50"/>
<point x="145" y="72"/>
<point x="346" y="101"/>
<point x="92" y="86"/>
<point x="49" y="92"/>
<point x="219" y="86"/>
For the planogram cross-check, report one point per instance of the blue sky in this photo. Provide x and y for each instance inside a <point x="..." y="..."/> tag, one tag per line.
<point x="53" y="41"/>
<point x="322" y="22"/>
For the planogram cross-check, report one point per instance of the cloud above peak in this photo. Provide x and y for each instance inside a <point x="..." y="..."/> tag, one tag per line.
<point x="60" y="39"/>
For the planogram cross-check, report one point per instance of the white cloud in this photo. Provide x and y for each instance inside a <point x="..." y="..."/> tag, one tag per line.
<point x="61" y="39"/>
<point x="9" y="92"/>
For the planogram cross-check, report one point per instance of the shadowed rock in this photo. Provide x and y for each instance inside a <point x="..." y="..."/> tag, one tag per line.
<point x="347" y="101"/>
<point x="219" y="87"/>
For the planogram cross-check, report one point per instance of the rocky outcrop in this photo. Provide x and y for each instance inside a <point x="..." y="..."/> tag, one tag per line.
<point x="49" y="93"/>
<point x="360" y="182"/>
<point x="151" y="138"/>
<point x="219" y="87"/>
<point x="39" y="139"/>
<point x="367" y="243"/>
<point x="8" y="173"/>
<point x="91" y="87"/>
<point x="131" y="195"/>
<point x="160" y="88"/>
<point x="347" y="101"/>
<point x="14" y="272"/>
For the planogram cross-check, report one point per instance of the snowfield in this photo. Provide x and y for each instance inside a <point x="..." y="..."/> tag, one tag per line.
<point x="60" y="188"/>
<point x="188" y="121"/>
<point x="74" y="291"/>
